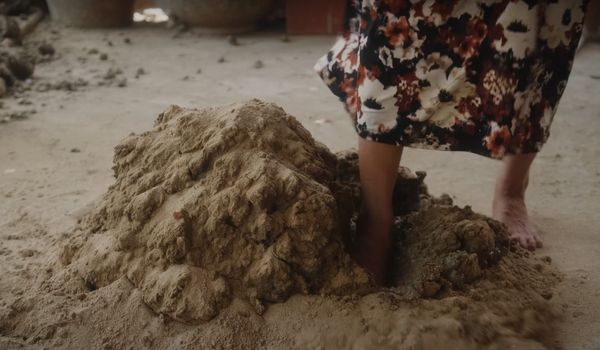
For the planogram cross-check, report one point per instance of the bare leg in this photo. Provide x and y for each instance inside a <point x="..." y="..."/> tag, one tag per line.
<point x="591" y="29"/>
<point x="509" y="200"/>
<point x="378" y="165"/>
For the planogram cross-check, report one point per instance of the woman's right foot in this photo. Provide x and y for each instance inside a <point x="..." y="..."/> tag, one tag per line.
<point x="513" y="213"/>
<point x="509" y="206"/>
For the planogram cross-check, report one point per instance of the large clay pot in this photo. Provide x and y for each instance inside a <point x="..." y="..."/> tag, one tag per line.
<point x="223" y="16"/>
<point x="92" y="13"/>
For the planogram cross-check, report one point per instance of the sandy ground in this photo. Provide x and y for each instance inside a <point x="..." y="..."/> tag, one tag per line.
<point x="58" y="162"/>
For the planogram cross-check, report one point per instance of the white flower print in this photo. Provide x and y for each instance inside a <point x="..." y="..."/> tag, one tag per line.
<point x="520" y="29"/>
<point x="560" y="17"/>
<point x="378" y="111"/>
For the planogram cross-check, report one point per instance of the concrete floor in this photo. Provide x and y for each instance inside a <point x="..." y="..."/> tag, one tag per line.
<point x="48" y="185"/>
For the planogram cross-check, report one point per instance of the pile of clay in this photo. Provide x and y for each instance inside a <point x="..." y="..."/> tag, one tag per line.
<point x="239" y="203"/>
<point x="242" y="202"/>
<point x="219" y="203"/>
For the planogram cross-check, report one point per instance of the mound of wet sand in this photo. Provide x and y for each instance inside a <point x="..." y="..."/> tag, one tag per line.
<point x="219" y="203"/>
<point x="239" y="204"/>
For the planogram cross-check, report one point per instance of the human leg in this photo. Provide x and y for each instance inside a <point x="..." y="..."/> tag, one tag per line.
<point x="378" y="165"/>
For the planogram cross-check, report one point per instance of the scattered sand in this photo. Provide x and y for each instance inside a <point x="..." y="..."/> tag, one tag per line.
<point x="15" y="65"/>
<point x="19" y="58"/>
<point x="225" y="228"/>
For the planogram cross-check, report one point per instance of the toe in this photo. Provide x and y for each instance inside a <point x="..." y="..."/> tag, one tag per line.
<point x="531" y="244"/>
<point x="537" y="241"/>
<point x="523" y="242"/>
<point x="534" y="242"/>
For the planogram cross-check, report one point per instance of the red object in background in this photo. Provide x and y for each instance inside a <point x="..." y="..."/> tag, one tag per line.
<point x="315" y="16"/>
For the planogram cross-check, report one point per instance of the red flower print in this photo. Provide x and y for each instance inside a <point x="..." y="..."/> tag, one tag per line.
<point x="498" y="140"/>
<point x="397" y="31"/>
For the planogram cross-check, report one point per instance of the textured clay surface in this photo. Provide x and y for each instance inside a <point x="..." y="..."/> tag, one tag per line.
<point x="220" y="215"/>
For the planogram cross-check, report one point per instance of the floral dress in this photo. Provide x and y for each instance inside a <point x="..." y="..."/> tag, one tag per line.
<point x="478" y="76"/>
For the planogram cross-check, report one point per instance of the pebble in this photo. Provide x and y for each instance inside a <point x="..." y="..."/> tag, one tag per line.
<point x="258" y="64"/>
<point x="322" y="121"/>
<point x="232" y="39"/>
<point x="2" y="87"/>
<point x="576" y="314"/>
<point x="46" y="49"/>
<point x="27" y="253"/>
<point x="112" y="73"/>
<point x="139" y="73"/>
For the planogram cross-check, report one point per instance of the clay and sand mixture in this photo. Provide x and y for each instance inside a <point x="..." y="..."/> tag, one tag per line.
<point x="228" y="226"/>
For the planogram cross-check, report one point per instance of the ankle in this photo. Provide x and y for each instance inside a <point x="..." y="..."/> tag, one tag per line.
<point x="507" y="204"/>
<point x="378" y="217"/>
<point x="505" y="190"/>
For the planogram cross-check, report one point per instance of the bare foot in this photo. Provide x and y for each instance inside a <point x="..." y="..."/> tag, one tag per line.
<point x="372" y="248"/>
<point x="513" y="213"/>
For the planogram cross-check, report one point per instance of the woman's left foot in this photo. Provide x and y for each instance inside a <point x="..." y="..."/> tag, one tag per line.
<point x="513" y="213"/>
<point x="372" y="247"/>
